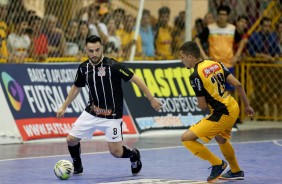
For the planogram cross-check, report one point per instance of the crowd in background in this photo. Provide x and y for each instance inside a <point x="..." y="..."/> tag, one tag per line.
<point x="26" y="35"/>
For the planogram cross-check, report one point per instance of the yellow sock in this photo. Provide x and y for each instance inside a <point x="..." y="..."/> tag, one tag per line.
<point x="229" y="154"/>
<point x="202" y="152"/>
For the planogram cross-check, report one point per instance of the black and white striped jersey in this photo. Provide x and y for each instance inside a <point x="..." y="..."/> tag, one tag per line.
<point x="105" y="86"/>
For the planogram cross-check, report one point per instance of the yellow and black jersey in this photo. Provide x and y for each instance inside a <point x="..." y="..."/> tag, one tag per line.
<point x="208" y="80"/>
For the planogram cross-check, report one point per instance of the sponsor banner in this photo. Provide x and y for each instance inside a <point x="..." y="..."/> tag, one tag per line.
<point x="35" y="92"/>
<point x="169" y="82"/>
<point x="36" y="128"/>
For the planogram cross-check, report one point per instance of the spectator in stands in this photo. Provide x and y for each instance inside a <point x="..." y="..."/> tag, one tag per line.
<point x="208" y="18"/>
<point x="220" y="38"/>
<point x="178" y="34"/>
<point x="16" y="9"/>
<point x="72" y="48"/>
<point x="56" y="38"/>
<point x="278" y="82"/>
<point x="147" y="34"/>
<point x="279" y="33"/>
<point x="252" y="10"/>
<point x="113" y="46"/>
<point x="127" y="37"/>
<point x="39" y="41"/>
<point x="104" y="13"/>
<point x="96" y="27"/>
<point x="163" y="31"/>
<point x="198" y="27"/>
<point x="83" y="33"/>
<point x="119" y="16"/>
<point x="18" y="42"/>
<point x="3" y="32"/>
<point x="241" y="37"/>
<point x="264" y="43"/>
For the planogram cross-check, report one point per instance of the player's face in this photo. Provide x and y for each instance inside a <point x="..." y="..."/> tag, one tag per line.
<point x="94" y="52"/>
<point x="186" y="60"/>
<point x="222" y="17"/>
<point x="266" y="26"/>
<point x="242" y="24"/>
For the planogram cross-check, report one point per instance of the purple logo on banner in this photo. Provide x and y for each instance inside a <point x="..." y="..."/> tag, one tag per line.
<point x="13" y="90"/>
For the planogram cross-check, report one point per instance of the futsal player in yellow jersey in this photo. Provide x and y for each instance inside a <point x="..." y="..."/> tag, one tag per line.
<point x="208" y="81"/>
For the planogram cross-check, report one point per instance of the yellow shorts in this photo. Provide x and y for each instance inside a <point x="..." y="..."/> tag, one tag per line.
<point x="207" y="129"/>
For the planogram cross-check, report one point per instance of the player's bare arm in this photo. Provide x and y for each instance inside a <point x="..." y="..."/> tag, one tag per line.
<point x="239" y="88"/>
<point x="202" y="103"/>
<point x="155" y="103"/>
<point x="71" y="96"/>
<point x="203" y="53"/>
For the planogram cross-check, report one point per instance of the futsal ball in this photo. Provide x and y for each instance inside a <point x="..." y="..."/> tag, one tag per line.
<point x="63" y="169"/>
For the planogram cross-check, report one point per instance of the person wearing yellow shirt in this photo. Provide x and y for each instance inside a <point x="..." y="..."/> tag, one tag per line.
<point x="127" y="37"/>
<point x="3" y="34"/>
<point x="163" y="38"/>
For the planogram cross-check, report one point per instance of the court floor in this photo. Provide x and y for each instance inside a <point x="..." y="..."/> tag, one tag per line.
<point x="165" y="160"/>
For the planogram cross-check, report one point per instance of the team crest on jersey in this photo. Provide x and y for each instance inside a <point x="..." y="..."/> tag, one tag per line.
<point x="210" y="69"/>
<point x="101" y="71"/>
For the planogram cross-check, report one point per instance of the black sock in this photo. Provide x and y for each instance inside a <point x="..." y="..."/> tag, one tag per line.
<point x="127" y="153"/>
<point x="75" y="154"/>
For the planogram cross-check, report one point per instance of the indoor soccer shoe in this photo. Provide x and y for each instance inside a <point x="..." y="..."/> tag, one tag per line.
<point x="233" y="176"/>
<point x="78" y="169"/>
<point x="136" y="163"/>
<point x="217" y="170"/>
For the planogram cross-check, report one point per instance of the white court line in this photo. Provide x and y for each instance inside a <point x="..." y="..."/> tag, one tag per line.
<point x="145" y="149"/>
<point x="277" y="143"/>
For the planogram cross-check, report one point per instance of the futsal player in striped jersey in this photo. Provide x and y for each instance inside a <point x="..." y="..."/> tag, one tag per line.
<point x="103" y="76"/>
<point x="208" y="81"/>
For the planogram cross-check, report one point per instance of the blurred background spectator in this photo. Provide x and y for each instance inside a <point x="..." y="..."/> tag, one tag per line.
<point x="264" y="43"/>
<point x="18" y="42"/>
<point x="72" y="48"/>
<point x="178" y="34"/>
<point x="39" y="41"/>
<point x="162" y="31"/>
<point x="55" y="36"/>
<point x="113" y="46"/>
<point x="82" y="34"/>
<point x="127" y="37"/>
<point x="147" y="35"/>
<point x="3" y="31"/>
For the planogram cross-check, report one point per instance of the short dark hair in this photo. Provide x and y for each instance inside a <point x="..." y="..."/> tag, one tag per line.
<point x="191" y="48"/>
<point x="146" y="12"/>
<point x="265" y="19"/>
<point x="242" y="17"/>
<point x="224" y="8"/>
<point x="164" y="10"/>
<point x="93" y="39"/>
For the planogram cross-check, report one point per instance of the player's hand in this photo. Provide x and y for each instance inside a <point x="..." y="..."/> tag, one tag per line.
<point x="249" y="111"/>
<point x="235" y="59"/>
<point x="156" y="104"/>
<point x="61" y="112"/>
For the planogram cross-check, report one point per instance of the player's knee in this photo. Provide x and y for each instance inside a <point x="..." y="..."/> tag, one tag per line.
<point x="72" y="141"/>
<point x="183" y="138"/>
<point x="116" y="152"/>
<point x="220" y="139"/>
<point x="188" y="136"/>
